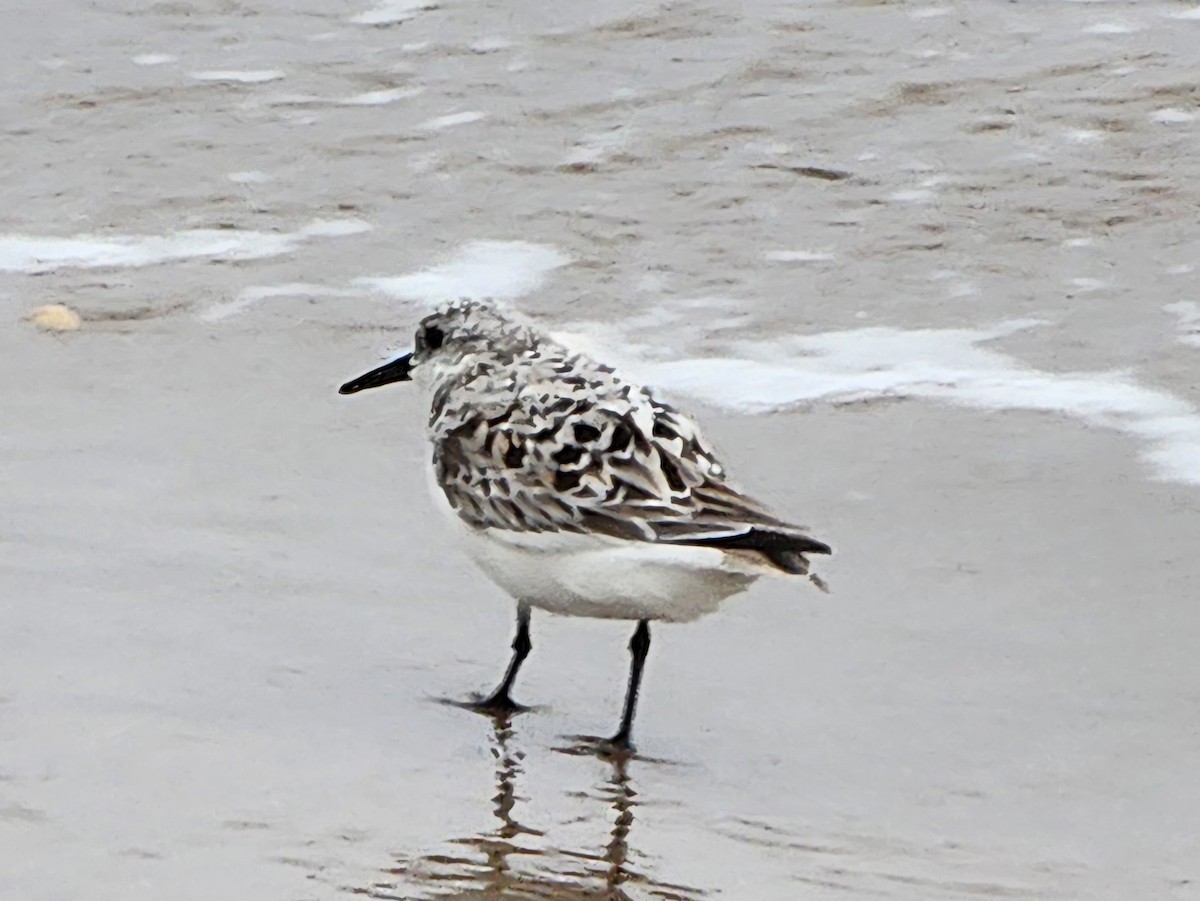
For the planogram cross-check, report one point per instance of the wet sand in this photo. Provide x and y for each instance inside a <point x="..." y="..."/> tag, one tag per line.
<point x="927" y="273"/>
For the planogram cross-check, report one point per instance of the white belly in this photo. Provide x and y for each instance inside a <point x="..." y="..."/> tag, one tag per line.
<point x="597" y="576"/>
<point x="582" y="575"/>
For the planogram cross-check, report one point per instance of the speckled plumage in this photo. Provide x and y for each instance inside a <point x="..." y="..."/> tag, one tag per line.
<point x="530" y="437"/>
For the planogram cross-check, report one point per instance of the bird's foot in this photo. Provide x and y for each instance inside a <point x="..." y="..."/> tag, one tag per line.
<point x="497" y="704"/>
<point x="619" y="747"/>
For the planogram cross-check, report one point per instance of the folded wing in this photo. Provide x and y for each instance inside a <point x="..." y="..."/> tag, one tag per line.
<point x="556" y="457"/>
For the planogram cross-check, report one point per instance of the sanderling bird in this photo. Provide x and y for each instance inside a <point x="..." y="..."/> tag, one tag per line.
<point x="577" y="491"/>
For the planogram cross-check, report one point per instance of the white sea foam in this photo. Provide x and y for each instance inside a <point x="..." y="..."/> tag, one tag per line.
<point x="637" y="339"/>
<point x="1112" y="28"/>
<point x="490" y="45"/>
<point x="370" y="98"/>
<point x="379" y="98"/>
<point x="153" y="59"/>
<point x="482" y="269"/>
<point x="392" y="12"/>
<point x="596" y="148"/>
<point x="440" y="122"/>
<point x="797" y="256"/>
<point x="251" y="296"/>
<point x="1172" y="116"/>
<point x="334" y="228"/>
<point x="230" y="76"/>
<point x="27" y="253"/>
<point x="944" y="365"/>
<point x="911" y="195"/>
<point x="1187" y="314"/>
<point x="250" y="177"/>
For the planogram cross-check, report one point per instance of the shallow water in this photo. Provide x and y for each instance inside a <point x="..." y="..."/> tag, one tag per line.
<point x="926" y="269"/>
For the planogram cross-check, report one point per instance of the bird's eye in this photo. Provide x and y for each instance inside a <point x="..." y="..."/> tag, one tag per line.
<point x="434" y="337"/>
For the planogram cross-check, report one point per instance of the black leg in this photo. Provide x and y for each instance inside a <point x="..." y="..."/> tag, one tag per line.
<point x="639" y="647"/>
<point x="500" y="701"/>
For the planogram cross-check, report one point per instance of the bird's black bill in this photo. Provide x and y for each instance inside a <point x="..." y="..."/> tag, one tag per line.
<point x="396" y="371"/>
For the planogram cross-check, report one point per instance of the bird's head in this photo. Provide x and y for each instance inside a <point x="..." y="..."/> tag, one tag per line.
<point x="461" y="332"/>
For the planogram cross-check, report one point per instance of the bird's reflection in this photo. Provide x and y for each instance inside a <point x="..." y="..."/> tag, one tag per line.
<point x="514" y="861"/>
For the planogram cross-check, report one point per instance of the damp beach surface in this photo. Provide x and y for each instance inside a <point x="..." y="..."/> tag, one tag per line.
<point x="926" y="272"/>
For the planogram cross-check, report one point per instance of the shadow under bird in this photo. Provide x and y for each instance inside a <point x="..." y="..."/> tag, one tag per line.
<point x="577" y="491"/>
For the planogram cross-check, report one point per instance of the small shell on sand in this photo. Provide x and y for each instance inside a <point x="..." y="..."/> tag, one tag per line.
<point x="55" y="317"/>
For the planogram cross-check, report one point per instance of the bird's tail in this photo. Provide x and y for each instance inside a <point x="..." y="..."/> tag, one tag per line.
<point x="783" y="548"/>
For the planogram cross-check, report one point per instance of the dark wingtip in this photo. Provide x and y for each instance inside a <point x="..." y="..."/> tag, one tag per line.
<point x="785" y="550"/>
<point x="763" y="539"/>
